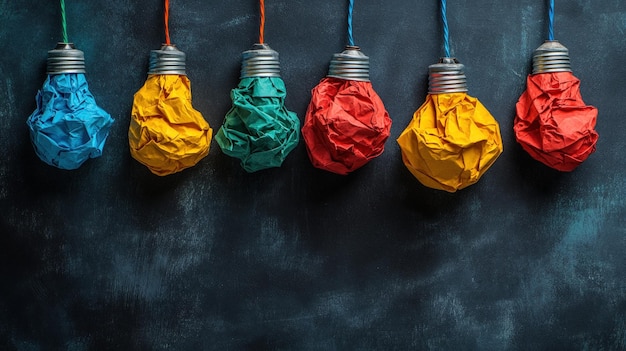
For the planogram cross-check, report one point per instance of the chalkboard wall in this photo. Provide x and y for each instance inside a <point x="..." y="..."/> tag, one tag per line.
<point x="112" y="257"/>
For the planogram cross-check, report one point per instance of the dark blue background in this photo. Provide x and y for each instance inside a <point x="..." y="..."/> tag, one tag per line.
<point x="112" y="257"/>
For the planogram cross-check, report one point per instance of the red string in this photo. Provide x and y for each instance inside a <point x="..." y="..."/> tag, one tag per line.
<point x="262" y="27"/>
<point x="167" y="20"/>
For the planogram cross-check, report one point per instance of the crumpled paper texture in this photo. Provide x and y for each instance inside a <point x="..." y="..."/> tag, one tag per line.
<point x="258" y="129"/>
<point x="552" y="122"/>
<point x="166" y="133"/>
<point x="346" y="125"/>
<point x="67" y="127"/>
<point x="451" y="141"/>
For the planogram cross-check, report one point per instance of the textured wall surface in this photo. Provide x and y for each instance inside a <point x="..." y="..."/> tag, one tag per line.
<point x="112" y="257"/>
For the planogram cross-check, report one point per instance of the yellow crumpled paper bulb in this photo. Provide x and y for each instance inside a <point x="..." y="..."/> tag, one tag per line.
<point x="166" y="133"/>
<point x="451" y="141"/>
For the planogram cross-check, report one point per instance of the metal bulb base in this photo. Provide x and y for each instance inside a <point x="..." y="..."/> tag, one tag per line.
<point x="65" y="58"/>
<point x="551" y="56"/>
<point x="260" y="61"/>
<point x="446" y="76"/>
<point x="167" y="60"/>
<point x="351" y="64"/>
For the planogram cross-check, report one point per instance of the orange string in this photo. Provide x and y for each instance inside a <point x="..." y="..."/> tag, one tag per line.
<point x="167" y="22"/>
<point x="262" y="27"/>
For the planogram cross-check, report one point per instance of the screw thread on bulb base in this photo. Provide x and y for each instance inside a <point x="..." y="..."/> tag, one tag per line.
<point x="351" y="64"/>
<point x="260" y="61"/>
<point x="65" y="58"/>
<point x="167" y="60"/>
<point x="551" y="56"/>
<point x="446" y="76"/>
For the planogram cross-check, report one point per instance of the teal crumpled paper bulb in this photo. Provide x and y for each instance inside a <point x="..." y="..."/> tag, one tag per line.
<point x="258" y="129"/>
<point x="67" y="127"/>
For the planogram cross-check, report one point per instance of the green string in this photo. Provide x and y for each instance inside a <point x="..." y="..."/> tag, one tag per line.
<point x="64" y="22"/>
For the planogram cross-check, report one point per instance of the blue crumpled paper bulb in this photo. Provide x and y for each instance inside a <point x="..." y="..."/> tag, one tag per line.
<point x="68" y="127"/>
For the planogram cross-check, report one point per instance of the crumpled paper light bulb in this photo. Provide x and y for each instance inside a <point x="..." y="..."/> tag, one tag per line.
<point x="346" y="123"/>
<point x="553" y="123"/>
<point x="166" y="133"/>
<point x="452" y="139"/>
<point x="67" y="127"/>
<point x="258" y="129"/>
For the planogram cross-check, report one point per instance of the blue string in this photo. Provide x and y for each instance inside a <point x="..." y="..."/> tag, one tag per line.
<point x="350" y="10"/>
<point x="446" y="33"/>
<point x="551" y="24"/>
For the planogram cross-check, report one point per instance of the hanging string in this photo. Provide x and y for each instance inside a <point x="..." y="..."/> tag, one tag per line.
<point x="262" y="26"/>
<point x="167" y="22"/>
<point x="350" y="10"/>
<point x="551" y="23"/>
<point x="64" y="22"/>
<point x="446" y="33"/>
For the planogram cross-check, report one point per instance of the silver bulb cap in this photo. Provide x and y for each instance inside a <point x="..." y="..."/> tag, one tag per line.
<point x="65" y="58"/>
<point x="351" y="64"/>
<point x="167" y="60"/>
<point x="446" y="76"/>
<point x="551" y="56"/>
<point x="260" y="61"/>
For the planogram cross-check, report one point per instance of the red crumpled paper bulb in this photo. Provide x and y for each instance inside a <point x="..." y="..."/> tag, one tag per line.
<point x="346" y="125"/>
<point x="552" y="122"/>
